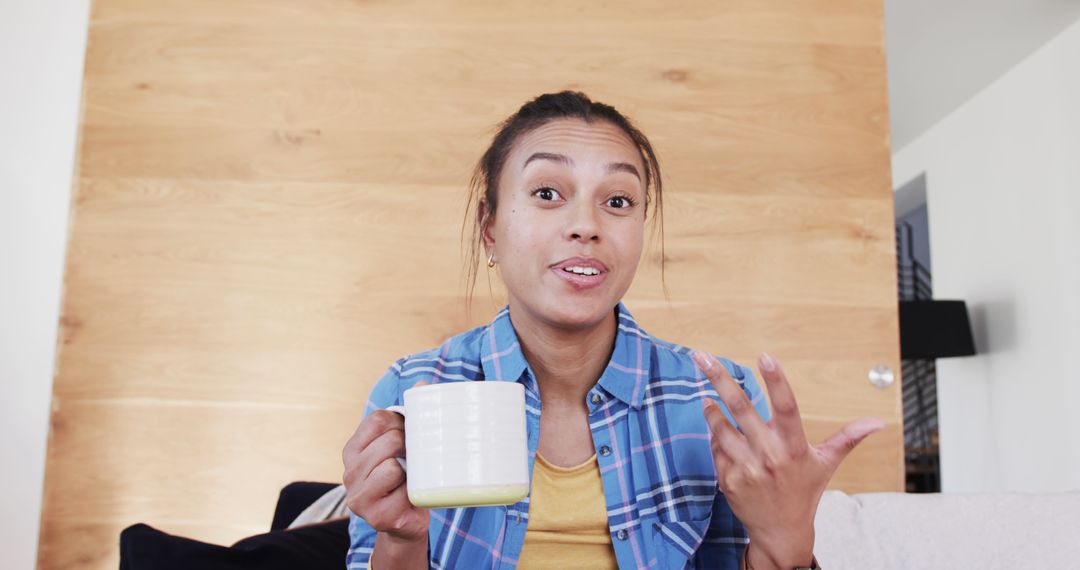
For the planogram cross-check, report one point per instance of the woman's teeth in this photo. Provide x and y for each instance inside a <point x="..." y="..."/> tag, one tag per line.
<point x="582" y="270"/>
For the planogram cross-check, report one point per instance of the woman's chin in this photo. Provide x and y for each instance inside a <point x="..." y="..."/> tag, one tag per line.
<point x="578" y="313"/>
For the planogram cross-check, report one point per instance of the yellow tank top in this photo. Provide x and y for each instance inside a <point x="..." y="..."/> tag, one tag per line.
<point x="568" y="525"/>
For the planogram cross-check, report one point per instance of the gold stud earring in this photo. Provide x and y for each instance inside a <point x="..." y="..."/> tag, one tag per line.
<point x="491" y="262"/>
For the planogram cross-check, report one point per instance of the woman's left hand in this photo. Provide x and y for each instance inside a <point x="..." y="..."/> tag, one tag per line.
<point x="771" y="476"/>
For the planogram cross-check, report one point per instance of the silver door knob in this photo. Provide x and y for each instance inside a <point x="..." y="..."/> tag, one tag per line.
<point x="881" y="376"/>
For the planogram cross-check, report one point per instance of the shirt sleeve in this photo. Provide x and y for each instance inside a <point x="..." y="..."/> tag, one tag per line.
<point x="361" y="536"/>
<point x="724" y="542"/>
<point x="726" y="538"/>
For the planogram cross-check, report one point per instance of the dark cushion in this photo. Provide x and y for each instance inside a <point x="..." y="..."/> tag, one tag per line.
<point x="311" y="547"/>
<point x="294" y="498"/>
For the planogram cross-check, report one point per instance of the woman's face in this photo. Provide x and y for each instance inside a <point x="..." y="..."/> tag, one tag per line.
<point x="569" y="228"/>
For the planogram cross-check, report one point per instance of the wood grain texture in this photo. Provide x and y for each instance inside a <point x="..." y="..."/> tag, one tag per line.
<point x="268" y="209"/>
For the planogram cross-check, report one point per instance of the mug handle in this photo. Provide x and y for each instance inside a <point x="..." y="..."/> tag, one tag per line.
<point x="400" y="410"/>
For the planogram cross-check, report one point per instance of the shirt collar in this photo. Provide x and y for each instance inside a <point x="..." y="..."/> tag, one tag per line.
<point x="627" y="373"/>
<point x="500" y="351"/>
<point x="625" y="376"/>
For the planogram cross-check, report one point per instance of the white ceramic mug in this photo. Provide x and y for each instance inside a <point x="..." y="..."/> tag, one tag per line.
<point x="465" y="444"/>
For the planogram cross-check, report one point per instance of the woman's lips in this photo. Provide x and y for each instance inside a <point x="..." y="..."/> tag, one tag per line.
<point x="580" y="282"/>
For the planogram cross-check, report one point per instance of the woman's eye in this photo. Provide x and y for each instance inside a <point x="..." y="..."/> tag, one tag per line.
<point x="545" y="193"/>
<point x="620" y="202"/>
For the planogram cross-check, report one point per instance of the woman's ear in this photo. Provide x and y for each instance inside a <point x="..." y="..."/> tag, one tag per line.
<point x="486" y="220"/>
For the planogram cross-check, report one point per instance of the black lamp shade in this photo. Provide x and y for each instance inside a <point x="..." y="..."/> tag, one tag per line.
<point x="934" y="329"/>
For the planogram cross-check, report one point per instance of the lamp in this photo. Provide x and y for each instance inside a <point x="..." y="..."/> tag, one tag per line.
<point x="934" y="329"/>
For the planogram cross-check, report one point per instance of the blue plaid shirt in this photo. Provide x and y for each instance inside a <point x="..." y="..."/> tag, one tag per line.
<point x="664" y="507"/>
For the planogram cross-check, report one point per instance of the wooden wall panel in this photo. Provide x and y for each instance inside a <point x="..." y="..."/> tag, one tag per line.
<point x="268" y="205"/>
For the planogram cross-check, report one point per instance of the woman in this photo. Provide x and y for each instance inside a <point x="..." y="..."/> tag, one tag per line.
<point x="649" y="455"/>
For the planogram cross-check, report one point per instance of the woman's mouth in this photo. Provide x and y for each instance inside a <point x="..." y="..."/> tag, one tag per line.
<point x="580" y="277"/>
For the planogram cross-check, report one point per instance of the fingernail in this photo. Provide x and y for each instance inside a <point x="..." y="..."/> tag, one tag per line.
<point x="767" y="362"/>
<point x="705" y="362"/>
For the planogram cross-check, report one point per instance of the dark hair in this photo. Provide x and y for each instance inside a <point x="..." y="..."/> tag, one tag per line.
<point x="531" y="115"/>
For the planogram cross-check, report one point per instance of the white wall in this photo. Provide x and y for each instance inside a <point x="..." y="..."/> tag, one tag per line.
<point x="42" y="43"/>
<point x="942" y="52"/>
<point x="1003" y="190"/>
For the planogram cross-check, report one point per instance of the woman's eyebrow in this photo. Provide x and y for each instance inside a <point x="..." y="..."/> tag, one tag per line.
<point x="548" y="156"/>
<point x="624" y="167"/>
<point x="611" y="167"/>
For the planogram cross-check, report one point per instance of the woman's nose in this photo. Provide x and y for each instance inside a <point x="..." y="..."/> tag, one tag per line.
<point x="583" y="225"/>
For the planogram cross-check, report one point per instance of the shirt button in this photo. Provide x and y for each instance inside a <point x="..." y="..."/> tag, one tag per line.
<point x="605" y="451"/>
<point x="621" y="535"/>
<point x="596" y="399"/>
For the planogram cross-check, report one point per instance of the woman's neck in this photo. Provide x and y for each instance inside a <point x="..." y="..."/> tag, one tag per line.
<point x="567" y="362"/>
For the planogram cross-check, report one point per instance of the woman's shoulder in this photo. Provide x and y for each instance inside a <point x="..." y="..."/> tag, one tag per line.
<point x="674" y="370"/>
<point x="669" y="358"/>
<point x="455" y="359"/>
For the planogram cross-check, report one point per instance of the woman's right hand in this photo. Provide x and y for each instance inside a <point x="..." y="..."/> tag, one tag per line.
<point x="375" y="482"/>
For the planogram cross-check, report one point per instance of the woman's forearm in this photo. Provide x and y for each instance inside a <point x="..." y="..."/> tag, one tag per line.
<point x="392" y="553"/>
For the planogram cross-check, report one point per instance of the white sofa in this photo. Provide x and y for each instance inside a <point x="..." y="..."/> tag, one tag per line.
<point x="899" y="531"/>
<point x="885" y="531"/>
